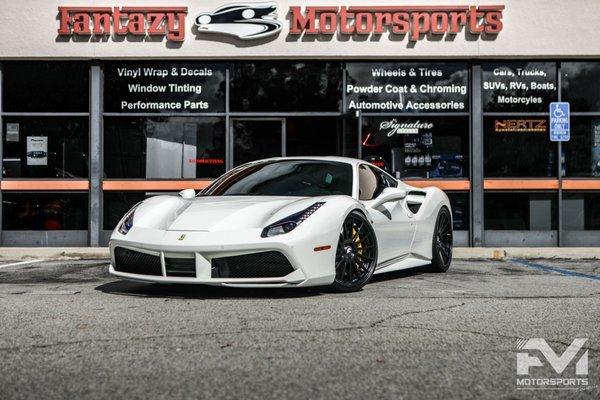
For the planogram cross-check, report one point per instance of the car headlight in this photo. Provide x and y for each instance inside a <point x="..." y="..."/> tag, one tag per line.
<point x="290" y="223"/>
<point x="127" y="221"/>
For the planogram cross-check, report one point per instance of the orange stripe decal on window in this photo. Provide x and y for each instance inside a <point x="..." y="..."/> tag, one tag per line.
<point x="581" y="184"/>
<point x="442" y="184"/>
<point x="45" y="185"/>
<point x="154" y="185"/>
<point x="520" y="184"/>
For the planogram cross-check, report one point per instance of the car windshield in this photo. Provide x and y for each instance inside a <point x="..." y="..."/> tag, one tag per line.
<point x="285" y="178"/>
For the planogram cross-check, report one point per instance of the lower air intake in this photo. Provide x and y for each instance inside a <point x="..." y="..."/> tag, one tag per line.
<point x="181" y="267"/>
<point x="134" y="262"/>
<point x="269" y="264"/>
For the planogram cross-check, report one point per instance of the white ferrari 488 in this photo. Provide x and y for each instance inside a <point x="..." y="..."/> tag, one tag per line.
<point x="303" y="221"/>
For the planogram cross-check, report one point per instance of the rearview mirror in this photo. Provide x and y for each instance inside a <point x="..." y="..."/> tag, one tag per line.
<point x="188" y="193"/>
<point x="389" y="195"/>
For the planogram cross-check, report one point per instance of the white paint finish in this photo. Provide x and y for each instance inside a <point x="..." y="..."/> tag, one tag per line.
<point x="532" y="28"/>
<point x="16" y="264"/>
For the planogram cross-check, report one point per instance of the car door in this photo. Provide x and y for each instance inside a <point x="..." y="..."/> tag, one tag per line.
<point x="393" y="222"/>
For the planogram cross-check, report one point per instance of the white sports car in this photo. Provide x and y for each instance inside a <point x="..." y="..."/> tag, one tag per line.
<point x="301" y="221"/>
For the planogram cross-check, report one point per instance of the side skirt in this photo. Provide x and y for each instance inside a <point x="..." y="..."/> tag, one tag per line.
<point x="403" y="262"/>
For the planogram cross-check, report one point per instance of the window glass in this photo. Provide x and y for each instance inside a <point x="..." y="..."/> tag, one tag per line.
<point x="164" y="147"/>
<point x="520" y="211"/>
<point x="314" y="136"/>
<point x="116" y="205"/>
<point x="581" y="211"/>
<point x="407" y="87"/>
<point x="519" y="86"/>
<point x="426" y="147"/>
<point x="164" y="87"/>
<point x="581" y="85"/>
<point x="286" y="86"/>
<point x="285" y="178"/>
<point x="44" y="211"/>
<point x="516" y="146"/>
<point x="459" y="202"/>
<point x="582" y="152"/>
<point x="255" y="139"/>
<point x="45" y="87"/>
<point x="45" y="147"/>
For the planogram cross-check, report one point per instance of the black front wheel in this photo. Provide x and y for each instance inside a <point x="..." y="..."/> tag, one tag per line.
<point x="442" y="242"/>
<point x="356" y="255"/>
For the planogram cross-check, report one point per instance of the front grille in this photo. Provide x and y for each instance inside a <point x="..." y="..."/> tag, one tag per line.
<point x="269" y="264"/>
<point x="184" y="267"/>
<point x="134" y="262"/>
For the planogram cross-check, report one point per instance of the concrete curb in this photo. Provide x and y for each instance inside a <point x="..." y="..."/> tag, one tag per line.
<point x="460" y="253"/>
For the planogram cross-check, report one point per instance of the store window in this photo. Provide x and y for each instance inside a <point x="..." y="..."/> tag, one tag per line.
<point x="164" y="147"/>
<point x="314" y="136"/>
<point x="45" y="147"/>
<point x="45" y="86"/>
<point x="286" y="86"/>
<point x="407" y="87"/>
<point x="44" y="211"/>
<point x="581" y="211"/>
<point x="581" y="85"/>
<point x="459" y="202"/>
<point x="418" y="147"/>
<point x="151" y="87"/>
<point x="519" y="86"/>
<point x="518" y="146"/>
<point x="520" y="211"/>
<point x="116" y="205"/>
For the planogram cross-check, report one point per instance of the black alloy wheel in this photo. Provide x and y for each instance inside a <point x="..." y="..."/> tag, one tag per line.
<point x="356" y="255"/>
<point x="442" y="242"/>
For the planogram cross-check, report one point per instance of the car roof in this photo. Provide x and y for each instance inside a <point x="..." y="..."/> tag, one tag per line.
<point x="346" y="160"/>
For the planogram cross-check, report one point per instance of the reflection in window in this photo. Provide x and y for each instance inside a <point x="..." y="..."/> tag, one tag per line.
<point x="516" y="146"/>
<point x="45" y="211"/>
<point x="581" y="85"/>
<point x="286" y="86"/>
<point x="164" y="147"/>
<point x="256" y="139"/>
<point x="519" y="86"/>
<point x="313" y="136"/>
<point x="45" y="86"/>
<point x="459" y="202"/>
<point x="45" y="147"/>
<point x="427" y="147"/>
<point x="581" y="211"/>
<point x="520" y="211"/>
<point x="582" y="152"/>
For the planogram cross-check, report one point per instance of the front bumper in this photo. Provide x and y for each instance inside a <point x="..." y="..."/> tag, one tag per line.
<point x="309" y="267"/>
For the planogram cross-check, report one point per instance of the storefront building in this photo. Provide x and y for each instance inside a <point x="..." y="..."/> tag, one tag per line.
<point x="103" y="104"/>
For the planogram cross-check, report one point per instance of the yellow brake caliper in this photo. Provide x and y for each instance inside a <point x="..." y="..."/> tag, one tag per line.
<point x="358" y="245"/>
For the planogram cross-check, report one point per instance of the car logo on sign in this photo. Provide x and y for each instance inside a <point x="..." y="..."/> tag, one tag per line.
<point x="181" y="237"/>
<point x="244" y="21"/>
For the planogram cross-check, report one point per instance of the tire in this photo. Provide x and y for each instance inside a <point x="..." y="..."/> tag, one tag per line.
<point x="442" y="242"/>
<point x="356" y="254"/>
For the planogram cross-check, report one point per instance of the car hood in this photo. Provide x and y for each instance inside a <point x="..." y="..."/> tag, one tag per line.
<point x="217" y="213"/>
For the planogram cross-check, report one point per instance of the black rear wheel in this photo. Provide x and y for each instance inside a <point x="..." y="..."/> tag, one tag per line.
<point x="442" y="242"/>
<point x="356" y="255"/>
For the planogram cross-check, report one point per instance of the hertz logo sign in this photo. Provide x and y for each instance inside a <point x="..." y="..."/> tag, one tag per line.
<point x="521" y="125"/>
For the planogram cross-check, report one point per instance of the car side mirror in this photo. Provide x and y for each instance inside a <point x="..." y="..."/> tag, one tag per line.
<point x="188" y="193"/>
<point x="389" y="195"/>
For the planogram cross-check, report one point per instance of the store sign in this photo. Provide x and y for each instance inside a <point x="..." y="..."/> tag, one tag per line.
<point x="393" y="127"/>
<point x="121" y="21"/>
<point x="37" y="150"/>
<point x="165" y="87"/>
<point x="519" y="86"/>
<point x="244" y="21"/>
<point x="413" y="21"/>
<point x="520" y="125"/>
<point x="560" y="122"/>
<point x="407" y="87"/>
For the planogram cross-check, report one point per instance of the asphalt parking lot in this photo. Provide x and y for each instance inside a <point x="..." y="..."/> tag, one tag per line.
<point x="69" y="330"/>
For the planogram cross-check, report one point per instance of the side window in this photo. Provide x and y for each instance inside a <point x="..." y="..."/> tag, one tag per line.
<point x="372" y="182"/>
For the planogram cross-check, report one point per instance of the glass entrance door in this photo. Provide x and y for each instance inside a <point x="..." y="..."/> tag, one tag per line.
<point x="257" y="138"/>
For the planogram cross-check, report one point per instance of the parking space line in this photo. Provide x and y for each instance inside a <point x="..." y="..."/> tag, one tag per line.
<point x="561" y="271"/>
<point x="21" y="263"/>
